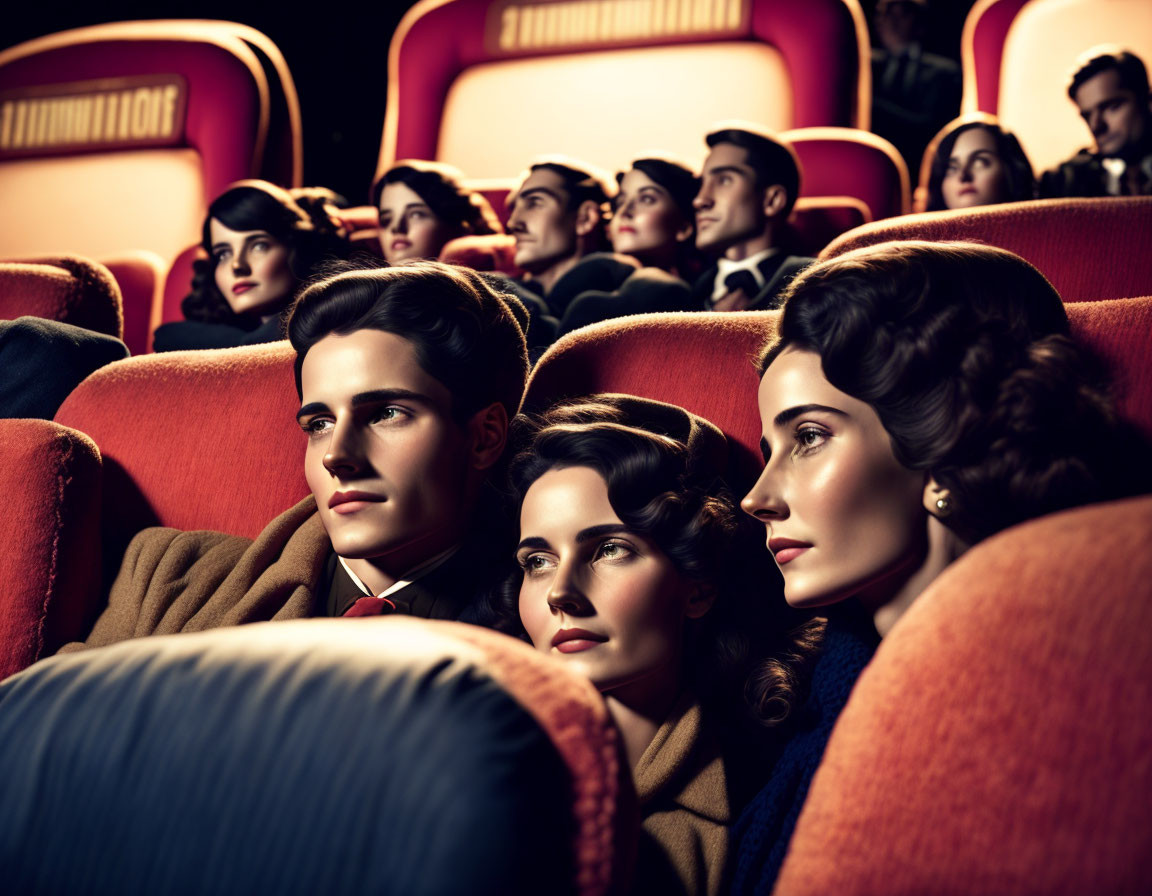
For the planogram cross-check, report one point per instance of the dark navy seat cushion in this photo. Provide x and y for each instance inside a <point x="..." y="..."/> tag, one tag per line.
<point x="311" y="757"/>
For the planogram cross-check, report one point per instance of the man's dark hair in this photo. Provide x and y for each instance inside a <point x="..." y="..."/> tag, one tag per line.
<point x="773" y="161"/>
<point x="581" y="184"/>
<point x="1130" y="68"/>
<point x="466" y="332"/>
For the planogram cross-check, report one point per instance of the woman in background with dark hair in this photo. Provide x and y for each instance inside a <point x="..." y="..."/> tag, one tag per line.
<point x="652" y="216"/>
<point x="423" y="205"/>
<point x="639" y="573"/>
<point x="978" y="163"/>
<point x="917" y="399"/>
<point x="263" y="243"/>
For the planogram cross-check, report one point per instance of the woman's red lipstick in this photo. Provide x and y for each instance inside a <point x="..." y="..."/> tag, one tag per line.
<point x="242" y="287"/>
<point x="786" y="549"/>
<point x="573" y="640"/>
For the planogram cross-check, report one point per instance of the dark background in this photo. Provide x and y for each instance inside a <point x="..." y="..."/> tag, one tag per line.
<point x="338" y="55"/>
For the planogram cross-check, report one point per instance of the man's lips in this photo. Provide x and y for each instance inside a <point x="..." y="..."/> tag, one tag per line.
<point x="786" y="550"/>
<point x="574" y="640"/>
<point x="350" y="502"/>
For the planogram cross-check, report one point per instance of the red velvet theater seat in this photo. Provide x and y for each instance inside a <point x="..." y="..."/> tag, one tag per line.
<point x="851" y="162"/>
<point x="141" y="276"/>
<point x="1018" y="57"/>
<point x="999" y="741"/>
<point x="195" y="440"/>
<point x="486" y="86"/>
<point x="72" y="290"/>
<point x="1088" y="248"/>
<point x="682" y="358"/>
<point x="679" y="358"/>
<point x="50" y="556"/>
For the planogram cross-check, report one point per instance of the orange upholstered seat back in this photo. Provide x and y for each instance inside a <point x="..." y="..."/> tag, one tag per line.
<point x="1088" y="248"/>
<point x="194" y="440"/>
<point x="702" y="361"/>
<point x="999" y="740"/>
<point x="50" y="562"/>
<point x="69" y="289"/>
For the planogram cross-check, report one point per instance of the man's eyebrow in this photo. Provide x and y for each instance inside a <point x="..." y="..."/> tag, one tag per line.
<point x="373" y="396"/>
<point x="543" y="190"/>
<point x="787" y="416"/>
<point x="313" y="407"/>
<point x="376" y="396"/>
<point x="726" y="169"/>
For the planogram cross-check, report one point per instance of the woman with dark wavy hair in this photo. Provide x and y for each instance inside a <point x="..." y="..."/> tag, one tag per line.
<point x="652" y="216"/>
<point x="978" y="163"/>
<point x="423" y="205"/>
<point x="638" y="572"/>
<point x="917" y="399"/>
<point x="263" y="242"/>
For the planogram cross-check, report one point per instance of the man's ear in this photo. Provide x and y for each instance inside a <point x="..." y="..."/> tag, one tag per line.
<point x="487" y="435"/>
<point x="686" y="231"/>
<point x="587" y="217"/>
<point x="700" y="600"/>
<point x="775" y="198"/>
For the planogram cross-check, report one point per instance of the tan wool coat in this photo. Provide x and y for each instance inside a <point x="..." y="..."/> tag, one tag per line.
<point x="173" y="581"/>
<point x="682" y="787"/>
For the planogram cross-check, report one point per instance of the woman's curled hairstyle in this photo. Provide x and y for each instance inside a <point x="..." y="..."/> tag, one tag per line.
<point x="665" y="488"/>
<point x="303" y="220"/>
<point x="964" y="352"/>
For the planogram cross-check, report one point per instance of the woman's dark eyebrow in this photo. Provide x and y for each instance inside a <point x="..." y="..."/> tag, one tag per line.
<point x="532" y="542"/>
<point x="594" y="532"/>
<point x="787" y="416"/>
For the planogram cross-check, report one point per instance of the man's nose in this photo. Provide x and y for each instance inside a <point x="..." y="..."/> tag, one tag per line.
<point x="344" y="456"/>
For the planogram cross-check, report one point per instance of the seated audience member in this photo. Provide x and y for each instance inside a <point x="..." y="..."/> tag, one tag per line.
<point x="917" y="399"/>
<point x="408" y="377"/>
<point x="638" y="573"/>
<point x="979" y="164"/>
<point x="559" y="216"/>
<point x="1110" y="88"/>
<point x="263" y="243"/>
<point x="652" y="215"/>
<point x="653" y="222"/>
<point x="42" y="361"/>
<point x="914" y="93"/>
<point x="750" y="183"/>
<point x="423" y="205"/>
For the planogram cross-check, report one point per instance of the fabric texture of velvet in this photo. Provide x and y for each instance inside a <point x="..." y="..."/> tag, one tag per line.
<point x="1087" y="248"/>
<point x="1019" y="761"/>
<point x="50" y="565"/>
<point x="68" y="289"/>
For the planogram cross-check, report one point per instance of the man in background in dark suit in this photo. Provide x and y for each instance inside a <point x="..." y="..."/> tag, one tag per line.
<point x="750" y="182"/>
<point x="1110" y="88"/>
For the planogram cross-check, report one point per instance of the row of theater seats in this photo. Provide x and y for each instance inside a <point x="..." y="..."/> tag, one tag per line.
<point x="1088" y="248"/>
<point x="114" y="138"/>
<point x="955" y="785"/>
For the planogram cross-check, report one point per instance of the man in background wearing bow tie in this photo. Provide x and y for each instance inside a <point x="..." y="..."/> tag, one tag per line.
<point x="750" y="183"/>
